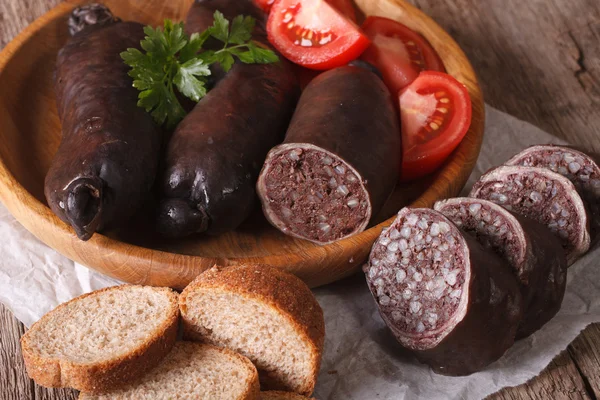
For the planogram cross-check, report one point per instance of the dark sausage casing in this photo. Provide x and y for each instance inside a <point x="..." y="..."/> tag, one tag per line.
<point x="216" y="152"/>
<point x="340" y="159"/>
<point x="107" y="159"/>
<point x="455" y="305"/>
<point x="535" y="255"/>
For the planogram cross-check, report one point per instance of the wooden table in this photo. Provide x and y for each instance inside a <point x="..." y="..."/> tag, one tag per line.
<point x="537" y="59"/>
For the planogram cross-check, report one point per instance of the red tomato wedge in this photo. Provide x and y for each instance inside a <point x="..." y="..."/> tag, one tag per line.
<point x="398" y="52"/>
<point x="343" y="6"/>
<point x="436" y="114"/>
<point x="265" y="5"/>
<point x="313" y="34"/>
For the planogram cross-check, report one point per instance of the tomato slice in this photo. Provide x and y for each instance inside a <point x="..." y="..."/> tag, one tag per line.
<point x="343" y="6"/>
<point x="313" y="34"/>
<point x="398" y="52"/>
<point x="436" y="114"/>
<point x="265" y="5"/>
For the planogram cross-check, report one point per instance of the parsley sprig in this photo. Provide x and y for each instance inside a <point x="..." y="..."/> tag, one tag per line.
<point x="174" y="62"/>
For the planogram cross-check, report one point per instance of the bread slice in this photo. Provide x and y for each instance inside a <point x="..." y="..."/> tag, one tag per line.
<point x="193" y="371"/>
<point x="103" y="339"/>
<point x="276" y="395"/>
<point x="264" y="313"/>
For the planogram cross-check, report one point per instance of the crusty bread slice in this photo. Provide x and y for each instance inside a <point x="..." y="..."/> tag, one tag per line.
<point x="264" y="313"/>
<point x="276" y="395"/>
<point x="193" y="371"/>
<point x="103" y="339"/>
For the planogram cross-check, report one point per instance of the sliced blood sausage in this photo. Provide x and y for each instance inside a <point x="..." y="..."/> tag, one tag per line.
<point x="535" y="255"/>
<point x="544" y="196"/>
<point x="339" y="161"/>
<point x="444" y="297"/>
<point x="578" y="167"/>
<point x="215" y="154"/>
<point x="108" y="156"/>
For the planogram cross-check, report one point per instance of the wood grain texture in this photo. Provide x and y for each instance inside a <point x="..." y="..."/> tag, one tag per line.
<point x="14" y="382"/>
<point x="497" y="37"/>
<point x="32" y="133"/>
<point x="559" y="381"/>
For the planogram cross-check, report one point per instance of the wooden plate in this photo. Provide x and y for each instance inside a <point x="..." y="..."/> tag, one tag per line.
<point x="31" y="133"/>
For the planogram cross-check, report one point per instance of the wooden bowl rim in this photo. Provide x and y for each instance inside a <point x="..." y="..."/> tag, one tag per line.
<point x="21" y="202"/>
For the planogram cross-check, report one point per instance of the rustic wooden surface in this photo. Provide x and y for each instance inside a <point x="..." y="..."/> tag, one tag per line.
<point x="538" y="60"/>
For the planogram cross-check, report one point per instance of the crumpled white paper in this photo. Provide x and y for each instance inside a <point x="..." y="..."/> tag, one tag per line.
<point x="362" y="361"/>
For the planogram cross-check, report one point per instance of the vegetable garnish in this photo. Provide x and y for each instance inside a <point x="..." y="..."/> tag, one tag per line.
<point x="174" y="61"/>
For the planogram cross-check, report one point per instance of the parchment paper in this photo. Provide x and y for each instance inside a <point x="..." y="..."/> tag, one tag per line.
<point x="361" y="359"/>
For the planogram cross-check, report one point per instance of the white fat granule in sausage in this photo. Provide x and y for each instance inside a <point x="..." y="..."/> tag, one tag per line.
<point x="405" y="232"/>
<point x="400" y="275"/>
<point x="394" y="234"/>
<point x="412" y="219"/>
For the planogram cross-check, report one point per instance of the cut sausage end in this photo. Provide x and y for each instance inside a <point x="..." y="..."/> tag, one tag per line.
<point x="310" y="193"/>
<point x="544" y="196"/>
<point x="576" y="166"/>
<point x="176" y="218"/>
<point x="88" y="15"/>
<point x="419" y="274"/>
<point x="83" y="207"/>
<point x="493" y="226"/>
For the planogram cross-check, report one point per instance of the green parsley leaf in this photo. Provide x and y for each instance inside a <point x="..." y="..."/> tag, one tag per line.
<point x="261" y="55"/>
<point x="226" y="60"/>
<point x="191" y="49"/>
<point x="220" y="28"/>
<point x="172" y="61"/>
<point x="241" y="29"/>
<point x="187" y="82"/>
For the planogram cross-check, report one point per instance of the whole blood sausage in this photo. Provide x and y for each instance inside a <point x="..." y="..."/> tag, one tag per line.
<point x="535" y="255"/>
<point x="339" y="161"/>
<point x="108" y="156"/>
<point x="215" y="154"/>
<point x="455" y="305"/>
<point x="578" y="167"/>
<point x="544" y="196"/>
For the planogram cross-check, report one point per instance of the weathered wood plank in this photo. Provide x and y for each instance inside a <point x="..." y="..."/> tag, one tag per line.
<point x="559" y="381"/>
<point x="585" y="351"/>
<point x="14" y="382"/>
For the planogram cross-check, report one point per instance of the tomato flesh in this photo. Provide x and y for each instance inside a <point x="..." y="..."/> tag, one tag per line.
<point x="398" y="52"/>
<point x="313" y="34"/>
<point x="343" y="6"/>
<point x="436" y="114"/>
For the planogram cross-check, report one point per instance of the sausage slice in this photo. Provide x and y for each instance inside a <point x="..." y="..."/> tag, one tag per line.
<point x="535" y="255"/>
<point x="544" y="196"/>
<point x="578" y="167"/>
<point x="444" y="297"/>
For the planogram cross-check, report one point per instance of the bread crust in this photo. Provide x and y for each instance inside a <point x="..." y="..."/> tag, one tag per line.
<point x="252" y="393"/>
<point x="106" y="375"/>
<point x="282" y="291"/>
